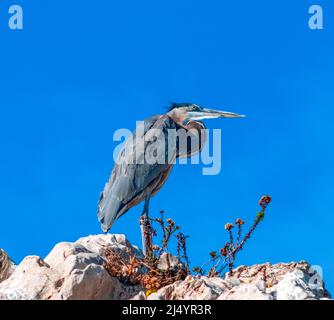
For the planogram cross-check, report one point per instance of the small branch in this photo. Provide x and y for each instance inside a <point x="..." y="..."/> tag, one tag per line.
<point x="230" y="250"/>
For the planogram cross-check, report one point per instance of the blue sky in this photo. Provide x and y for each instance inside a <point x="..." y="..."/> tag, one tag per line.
<point x="80" y="70"/>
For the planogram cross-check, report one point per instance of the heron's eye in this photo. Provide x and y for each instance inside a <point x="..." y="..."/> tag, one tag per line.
<point x="195" y="108"/>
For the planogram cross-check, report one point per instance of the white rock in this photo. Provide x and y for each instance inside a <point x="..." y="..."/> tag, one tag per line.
<point x="163" y="263"/>
<point x="140" y="296"/>
<point x="192" y="288"/>
<point x="96" y="244"/>
<point x="7" y="266"/>
<point x="232" y="281"/>
<point x="70" y="271"/>
<point x="155" y="296"/>
<point x="77" y="271"/>
<point x="245" y="292"/>
<point x="32" y="279"/>
<point x="294" y="287"/>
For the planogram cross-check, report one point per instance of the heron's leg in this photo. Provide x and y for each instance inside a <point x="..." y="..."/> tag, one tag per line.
<point x="145" y="228"/>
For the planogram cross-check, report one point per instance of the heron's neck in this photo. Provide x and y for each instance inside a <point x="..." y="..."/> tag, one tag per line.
<point x="178" y="117"/>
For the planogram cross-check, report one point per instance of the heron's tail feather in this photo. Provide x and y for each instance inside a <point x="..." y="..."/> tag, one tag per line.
<point x="108" y="209"/>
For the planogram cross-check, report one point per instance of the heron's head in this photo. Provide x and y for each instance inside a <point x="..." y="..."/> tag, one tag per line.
<point x="185" y="112"/>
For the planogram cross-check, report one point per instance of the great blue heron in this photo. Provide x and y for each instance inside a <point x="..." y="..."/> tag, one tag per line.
<point x="131" y="182"/>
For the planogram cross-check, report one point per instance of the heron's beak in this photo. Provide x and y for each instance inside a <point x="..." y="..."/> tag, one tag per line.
<point x="211" y="114"/>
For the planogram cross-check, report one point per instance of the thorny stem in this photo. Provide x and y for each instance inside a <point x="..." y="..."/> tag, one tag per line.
<point x="165" y="238"/>
<point x="161" y="221"/>
<point x="181" y="245"/>
<point x="231" y="238"/>
<point x="231" y="255"/>
<point x="167" y="232"/>
<point x="247" y="236"/>
<point x="229" y="252"/>
<point x="155" y="278"/>
<point x="239" y="233"/>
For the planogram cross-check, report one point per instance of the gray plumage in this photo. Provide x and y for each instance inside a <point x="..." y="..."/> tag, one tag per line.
<point x="131" y="183"/>
<point x="128" y="183"/>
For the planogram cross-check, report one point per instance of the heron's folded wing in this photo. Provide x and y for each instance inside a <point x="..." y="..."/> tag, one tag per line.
<point x="132" y="174"/>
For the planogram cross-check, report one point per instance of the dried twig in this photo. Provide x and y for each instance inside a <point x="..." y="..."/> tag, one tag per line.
<point x="144" y="271"/>
<point x="227" y="256"/>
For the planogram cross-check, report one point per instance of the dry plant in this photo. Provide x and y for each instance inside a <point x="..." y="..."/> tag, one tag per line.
<point x="226" y="256"/>
<point x="147" y="271"/>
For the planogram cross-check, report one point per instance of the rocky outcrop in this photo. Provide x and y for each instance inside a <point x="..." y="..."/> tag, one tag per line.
<point x="76" y="271"/>
<point x="6" y="266"/>
<point x="70" y="271"/>
<point x="283" y="281"/>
